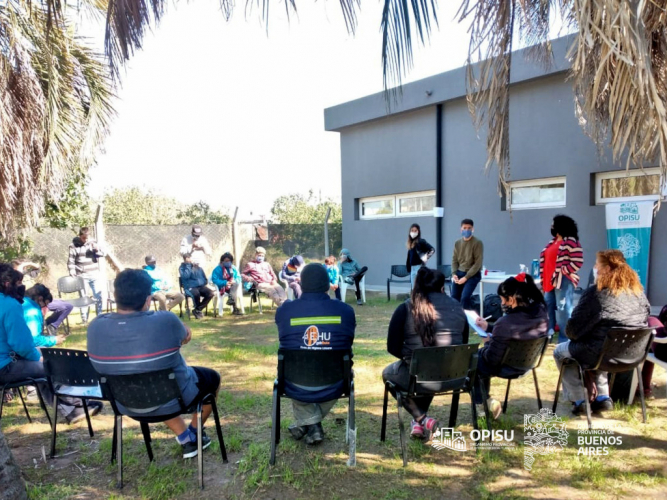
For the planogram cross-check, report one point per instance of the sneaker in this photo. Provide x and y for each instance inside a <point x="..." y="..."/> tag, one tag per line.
<point x="230" y="301"/>
<point x="297" y="431"/>
<point x="94" y="407"/>
<point x="315" y="434"/>
<point x="430" y="426"/>
<point x="416" y="430"/>
<point x="197" y="314"/>
<point x="360" y="302"/>
<point x="51" y="330"/>
<point x="494" y="407"/>
<point x="349" y="281"/>
<point x="31" y="394"/>
<point x="237" y="312"/>
<point x="602" y="406"/>
<point x="78" y="414"/>
<point x="190" y="448"/>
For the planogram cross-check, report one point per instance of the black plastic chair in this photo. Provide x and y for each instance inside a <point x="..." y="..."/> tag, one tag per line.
<point x="189" y="297"/>
<point x="398" y="272"/>
<point x="254" y="293"/>
<point x="70" y="284"/>
<point x="435" y="371"/>
<point x="147" y="391"/>
<point x="72" y="369"/>
<point x="623" y="350"/>
<point x="314" y="368"/>
<point x="18" y="385"/>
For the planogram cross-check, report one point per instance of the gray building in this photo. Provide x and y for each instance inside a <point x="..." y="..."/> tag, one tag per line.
<point x="392" y="160"/>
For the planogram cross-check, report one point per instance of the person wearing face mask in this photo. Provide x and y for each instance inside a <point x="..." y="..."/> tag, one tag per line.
<point x="195" y="285"/>
<point x="291" y="274"/>
<point x="197" y="246"/>
<point x="228" y="280"/>
<point x="262" y="274"/>
<point x="559" y="262"/>
<point x="36" y="299"/>
<point x="419" y="251"/>
<point x="166" y="298"/>
<point x="350" y="271"/>
<point x="467" y="261"/>
<point x="525" y="319"/>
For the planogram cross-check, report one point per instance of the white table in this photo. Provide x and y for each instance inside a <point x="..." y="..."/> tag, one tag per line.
<point x="495" y="280"/>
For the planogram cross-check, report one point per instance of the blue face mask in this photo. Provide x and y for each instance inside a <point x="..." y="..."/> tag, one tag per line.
<point x="466" y="233"/>
<point x="228" y="265"/>
<point x="260" y="258"/>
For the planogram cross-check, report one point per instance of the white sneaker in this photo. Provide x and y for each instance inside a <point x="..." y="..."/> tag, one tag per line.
<point x="494" y="407"/>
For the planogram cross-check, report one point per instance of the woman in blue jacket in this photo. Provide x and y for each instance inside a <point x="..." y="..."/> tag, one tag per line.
<point x="36" y="299"/>
<point x="228" y="280"/>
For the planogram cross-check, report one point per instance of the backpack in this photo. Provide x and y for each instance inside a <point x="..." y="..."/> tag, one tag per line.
<point x="492" y="307"/>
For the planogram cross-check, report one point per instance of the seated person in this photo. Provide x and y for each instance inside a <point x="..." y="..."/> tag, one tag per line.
<point x="430" y="318"/>
<point x="19" y="358"/>
<point x="617" y="300"/>
<point x="195" y="283"/>
<point x="332" y="271"/>
<point x="37" y="298"/>
<point x="228" y="280"/>
<point x="291" y="274"/>
<point x="525" y="319"/>
<point x="140" y="341"/>
<point x="314" y="303"/>
<point x="161" y="289"/>
<point x="351" y="272"/>
<point x="261" y="274"/>
<point x="59" y="308"/>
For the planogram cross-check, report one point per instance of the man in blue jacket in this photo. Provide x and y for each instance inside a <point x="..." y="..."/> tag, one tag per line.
<point x="195" y="283"/>
<point x="314" y="322"/>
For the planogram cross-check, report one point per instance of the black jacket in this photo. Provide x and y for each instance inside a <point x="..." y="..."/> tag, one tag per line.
<point x="520" y="323"/>
<point x="422" y="247"/>
<point x="598" y="312"/>
<point x="451" y="327"/>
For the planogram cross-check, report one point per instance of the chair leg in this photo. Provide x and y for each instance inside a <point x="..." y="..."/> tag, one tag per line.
<point x="473" y="408"/>
<point x="537" y="391"/>
<point x="114" y="442"/>
<point x="218" y="430"/>
<point x="53" y="427"/>
<point x="42" y="404"/>
<point x="275" y="425"/>
<point x="145" y="430"/>
<point x="401" y="428"/>
<point x="25" y="408"/>
<point x="351" y="431"/>
<point x="119" y="449"/>
<point x="454" y="411"/>
<point x="2" y="399"/>
<point x="200" y="451"/>
<point x="641" y="391"/>
<point x="85" y="410"/>
<point x="485" y="402"/>
<point x="586" y="401"/>
<point x="507" y="395"/>
<point x="383" y="429"/>
<point x="388" y="295"/>
<point x="611" y="382"/>
<point x="560" y="379"/>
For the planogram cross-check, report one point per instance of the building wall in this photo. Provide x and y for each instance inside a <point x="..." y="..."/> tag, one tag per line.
<point x="397" y="154"/>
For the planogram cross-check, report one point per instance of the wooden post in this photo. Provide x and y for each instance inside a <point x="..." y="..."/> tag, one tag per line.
<point x="326" y="233"/>
<point x="235" y="239"/>
<point x="101" y="240"/>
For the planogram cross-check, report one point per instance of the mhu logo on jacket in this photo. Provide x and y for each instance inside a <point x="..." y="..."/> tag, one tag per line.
<point x="313" y="337"/>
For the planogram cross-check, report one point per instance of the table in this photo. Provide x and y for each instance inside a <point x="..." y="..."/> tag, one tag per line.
<point x="496" y="280"/>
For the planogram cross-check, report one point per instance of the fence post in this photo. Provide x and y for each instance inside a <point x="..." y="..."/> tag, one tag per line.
<point x="235" y="239"/>
<point x="101" y="240"/>
<point x="326" y="233"/>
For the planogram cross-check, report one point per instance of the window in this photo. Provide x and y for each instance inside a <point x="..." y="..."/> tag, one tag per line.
<point x="537" y="193"/>
<point x="635" y="184"/>
<point x="400" y="205"/>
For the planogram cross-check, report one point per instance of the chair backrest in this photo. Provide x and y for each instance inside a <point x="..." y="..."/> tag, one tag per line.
<point x="69" y="367"/>
<point x="624" y="349"/>
<point x="440" y="369"/>
<point x="142" y="392"/>
<point x="525" y="354"/>
<point x="446" y="269"/>
<point x="399" y="271"/>
<point x="314" y="368"/>
<point x="71" y="284"/>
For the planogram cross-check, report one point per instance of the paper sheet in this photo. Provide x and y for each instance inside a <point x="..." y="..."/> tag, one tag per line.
<point x="472" y="318"/>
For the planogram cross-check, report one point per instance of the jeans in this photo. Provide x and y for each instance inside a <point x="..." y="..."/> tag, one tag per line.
<point x="96" y="289"/>
<point x="296" y="288"/>
<point x="60" y="310"/>
<point x="275" y="292"/>
<point x="573" y="389"/>
<point x="464" y="292"/>
<point x="413" y="275"/>
<point x="311" y="413"/>
<point x="559" y="307"/>
<point x="484" y="374"/>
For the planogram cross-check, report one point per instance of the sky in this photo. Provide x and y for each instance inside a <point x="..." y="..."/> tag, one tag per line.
<point x="227" y="113"/>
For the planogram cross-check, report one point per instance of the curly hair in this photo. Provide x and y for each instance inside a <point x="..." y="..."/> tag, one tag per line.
<point x="621" y="277"/>
<point x="566" y="227"/>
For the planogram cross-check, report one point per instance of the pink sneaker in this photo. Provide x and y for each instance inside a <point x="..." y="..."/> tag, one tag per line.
<point x="430" y="425"/>
<point x="416" y="430"/>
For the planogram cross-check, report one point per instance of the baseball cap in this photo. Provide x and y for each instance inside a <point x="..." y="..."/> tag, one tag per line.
<point x="150" y="259"/>
<point x="196" y="230"/>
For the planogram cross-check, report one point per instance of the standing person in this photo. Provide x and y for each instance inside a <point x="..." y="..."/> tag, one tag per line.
<point x="291" y="274"/>
<point x="467" y="261"/>
<point x="351" y="272"/>
<point x="419" y="251"/>
<point x="559" y="262"/>
<point x="195" y="283"/>
<point x="59" y="308"/>
<point x="197" y="246"/>
<point x="36" y="299"/>
<point x="429" y="318"/>
<point x="334" y="274"/>
<point x="261" y="273"/>
<point x="228" y="280"/>
<point x="83" y="262"/>
<point x="161" y="290"/>
<point x="617" y="300"/>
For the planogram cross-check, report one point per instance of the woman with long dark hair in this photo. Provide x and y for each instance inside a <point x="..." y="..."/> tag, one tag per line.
<point x="419" y="251"/>
<point x="429" y="318"/>
<point x="616" y="300"/>
<point x="559" y="262"/>
<point x="525" y="319"/>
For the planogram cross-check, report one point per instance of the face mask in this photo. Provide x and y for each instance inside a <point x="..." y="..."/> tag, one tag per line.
<point x="553" y="232"/>
<point x="595" y="275"/>
<point x="343" y="257"/>
<point x="413" y="234"/>
<point x="260" y="258"/>
<point x="466" y="233"/>
<point x="227" y="264"/>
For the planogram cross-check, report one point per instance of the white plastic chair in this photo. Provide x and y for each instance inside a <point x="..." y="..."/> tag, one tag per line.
<point x="343" y="285"/>
<point x="651" y="357"/>
<point x="221" y="300"/>
<point x="288" y="289"/>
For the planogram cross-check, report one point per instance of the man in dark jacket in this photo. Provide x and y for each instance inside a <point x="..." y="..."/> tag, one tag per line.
<point x="314" y="322"/>
<point x="195" y="284"/>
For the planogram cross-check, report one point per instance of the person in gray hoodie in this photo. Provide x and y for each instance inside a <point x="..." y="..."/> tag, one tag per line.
<point x="351" y="272"/>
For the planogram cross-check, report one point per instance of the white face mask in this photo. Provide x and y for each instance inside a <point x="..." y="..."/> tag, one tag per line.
<point x="343" y="258"/>
<point x="413" y="234"/>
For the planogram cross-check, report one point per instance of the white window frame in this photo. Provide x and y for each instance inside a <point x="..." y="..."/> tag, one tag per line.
<point x="396" y="199"/>
<point x="619" y="175"/>
<point x="534" y="183"/>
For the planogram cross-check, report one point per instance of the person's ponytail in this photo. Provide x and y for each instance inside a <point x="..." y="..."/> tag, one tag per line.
<point x="523" y="288"/>
<point x="423" y="313"/>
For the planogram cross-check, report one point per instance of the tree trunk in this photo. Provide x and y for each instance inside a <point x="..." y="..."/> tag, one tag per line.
<point x="11" y="484"/>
